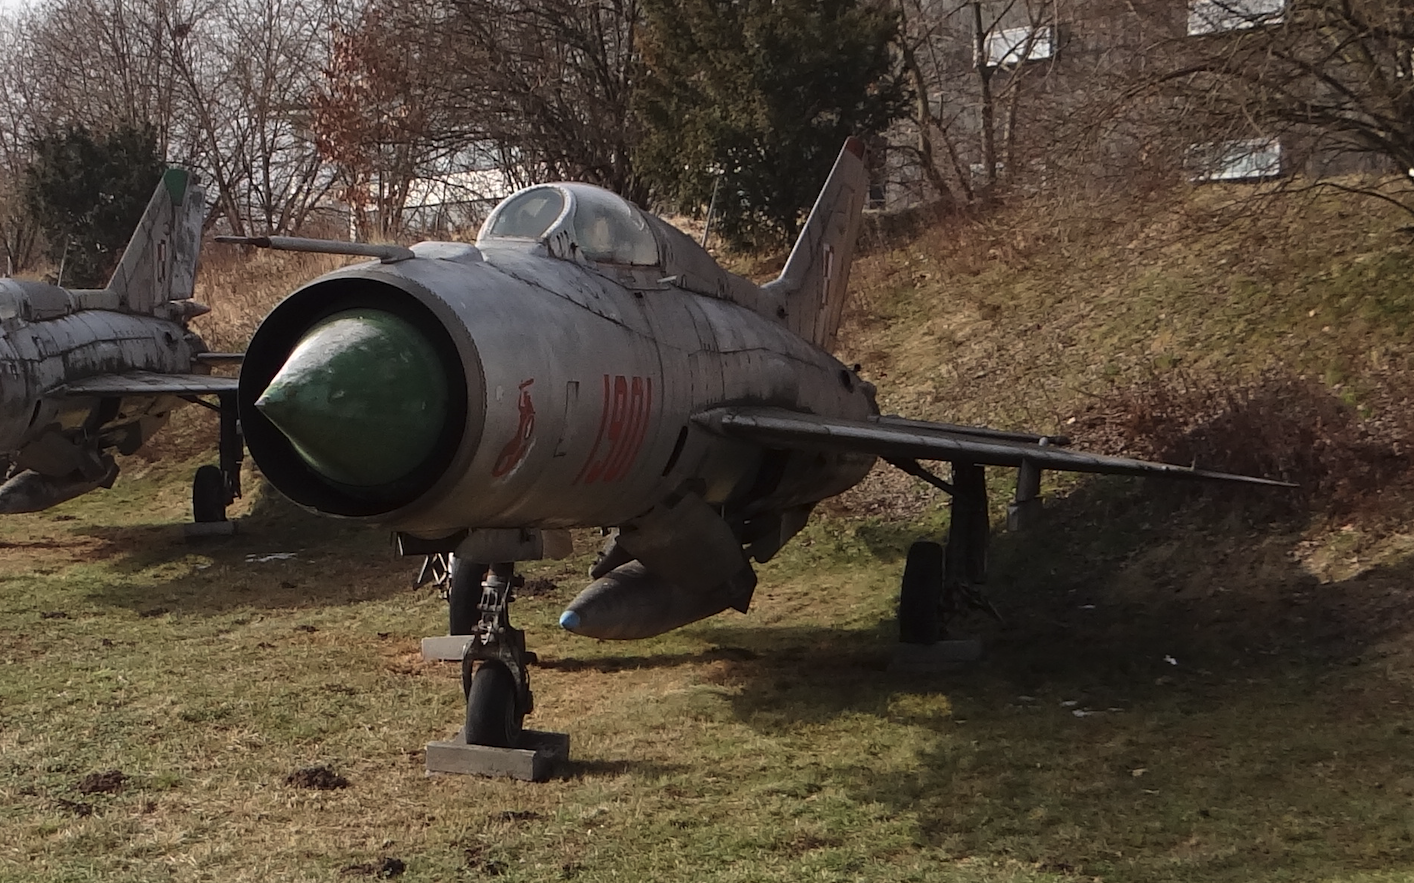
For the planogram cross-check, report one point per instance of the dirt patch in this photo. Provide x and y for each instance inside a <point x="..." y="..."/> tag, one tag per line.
<point x="537" y="587"/>
<point x="520" y="815"/>
<point x="804" y="842"/>
<point x="477" y="860"/>
<point x="409" y="662"/>
<point x="82" y="810"/>
<point x="722" y="673"/>
<point x="316" y="778"/>
<point x="387" y="868"/>
<point x="108" y="782"/>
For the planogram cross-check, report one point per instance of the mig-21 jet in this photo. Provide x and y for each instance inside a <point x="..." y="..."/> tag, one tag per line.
<point x="586" y="364"/>
<point x="87" y="372"/>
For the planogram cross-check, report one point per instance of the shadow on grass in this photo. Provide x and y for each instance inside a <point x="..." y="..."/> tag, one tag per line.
<point x="280" y="557"/>
<point x="635" y="662"/>
<point x="607" y="769"/>
<point x="1173" y="698"/>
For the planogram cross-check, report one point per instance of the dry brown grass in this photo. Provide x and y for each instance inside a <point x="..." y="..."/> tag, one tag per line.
<point x="774" y="746"/>
<point x="1278" y="426"/>
<point x="242" y="285"/>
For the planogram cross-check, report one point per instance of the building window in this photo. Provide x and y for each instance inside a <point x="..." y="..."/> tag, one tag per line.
<point x="1015" y="45"/>
<point x="1244" y="160"/>
<point x="1215" y="16"/>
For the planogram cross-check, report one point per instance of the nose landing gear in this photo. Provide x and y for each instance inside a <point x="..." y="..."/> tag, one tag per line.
<point x="495" y="679"/>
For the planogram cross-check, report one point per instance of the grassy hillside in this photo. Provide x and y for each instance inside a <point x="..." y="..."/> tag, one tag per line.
<point x="1186" y="687"/>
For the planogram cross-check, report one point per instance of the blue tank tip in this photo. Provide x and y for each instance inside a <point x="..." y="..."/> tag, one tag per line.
<point x="569" y="620"/>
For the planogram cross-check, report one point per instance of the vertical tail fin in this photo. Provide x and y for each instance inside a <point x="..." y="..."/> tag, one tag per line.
<point x="159" y="263"/>
<point x="811" y="288"/>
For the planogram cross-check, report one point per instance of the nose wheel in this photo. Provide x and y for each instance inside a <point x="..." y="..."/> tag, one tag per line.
<point x="494" y="675"/>
<point x="492" y="714"/>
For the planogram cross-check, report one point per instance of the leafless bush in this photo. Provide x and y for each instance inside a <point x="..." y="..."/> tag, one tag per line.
<point x="1278" y="426"/>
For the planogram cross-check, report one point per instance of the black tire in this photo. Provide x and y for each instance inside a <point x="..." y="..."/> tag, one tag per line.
<point x="492" y="717"/>
<point x="919" y="619"/>
<point x="464" y="595"/>
<point x="208" y="495"/>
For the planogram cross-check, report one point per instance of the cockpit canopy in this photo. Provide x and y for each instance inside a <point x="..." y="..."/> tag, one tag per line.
<point x="601" y="226"/>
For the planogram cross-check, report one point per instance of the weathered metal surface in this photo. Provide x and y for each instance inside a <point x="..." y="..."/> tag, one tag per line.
<point x="147" y="383"/>
<point x="604" y="371"/>
<point x="580" y="393"/>
<point x="777" y="426"/>
<point x="87" y="372"/>
<point x="632" y="602"/>
<point x="388" y="254"/>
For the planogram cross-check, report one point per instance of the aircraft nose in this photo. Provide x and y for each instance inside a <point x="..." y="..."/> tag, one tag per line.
<point x="362" y="398"/>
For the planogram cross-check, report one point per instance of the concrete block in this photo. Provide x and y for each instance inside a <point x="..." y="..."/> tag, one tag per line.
<point x="198" y="530"/>
<point x="444" y="648"/>
<point x="534" y="760"/>
<point x="943" y="656"/>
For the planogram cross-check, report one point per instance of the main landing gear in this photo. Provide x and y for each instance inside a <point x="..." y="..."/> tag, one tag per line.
<point x="216" y="487"/>
<point x="940" y="584"/>
<point x="494" y="674"/>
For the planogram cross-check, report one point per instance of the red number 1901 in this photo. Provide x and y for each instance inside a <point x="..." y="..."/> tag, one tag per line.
<point x="627" y="404"/>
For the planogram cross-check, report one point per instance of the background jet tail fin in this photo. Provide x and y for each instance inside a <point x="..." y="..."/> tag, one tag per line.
<point x="159" y="263"/>
<point x="811" y="288"/>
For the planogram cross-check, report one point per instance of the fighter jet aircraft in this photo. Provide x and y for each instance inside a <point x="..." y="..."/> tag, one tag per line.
<point x="85" y="372"/>
<point x="585" y="364"/>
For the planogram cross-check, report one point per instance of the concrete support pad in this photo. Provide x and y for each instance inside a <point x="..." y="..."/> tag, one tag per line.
<point x="943" y="656"/>
<point x="444" y="648"/>
<point x="197" y="530"/>
<point x="532" y="761"/>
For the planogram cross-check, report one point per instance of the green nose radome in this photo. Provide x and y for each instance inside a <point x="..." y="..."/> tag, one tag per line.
<point x="362" y="398"/>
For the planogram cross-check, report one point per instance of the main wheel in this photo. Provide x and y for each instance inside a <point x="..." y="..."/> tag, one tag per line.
<point x="208" y="495"/>
<point x="464" y="596"/>
<point x="491" y="714"/>
<point x="919" y="619"/>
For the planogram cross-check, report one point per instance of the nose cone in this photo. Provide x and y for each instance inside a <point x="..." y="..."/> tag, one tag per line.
<point x="362" y="398"/>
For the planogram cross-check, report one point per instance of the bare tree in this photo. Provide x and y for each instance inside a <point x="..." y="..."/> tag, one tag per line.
<point x="19" y="232"/>
<point x="381" y="112"/>
<point x="1323" y="87"/>
<point x="975" y="67"/>
<point x="224" y="83"/>
<point x="547" y="85"/>
<point x="246" y="70"/>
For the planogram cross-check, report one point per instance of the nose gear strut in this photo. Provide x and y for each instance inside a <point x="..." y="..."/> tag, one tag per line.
<point x="495" y="679"/>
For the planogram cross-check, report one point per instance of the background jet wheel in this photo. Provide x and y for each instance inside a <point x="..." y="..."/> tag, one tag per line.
<point x="919" y="617"/>
<point x="208" y="495"/>
<point x="464" y="595"/>
<point x="491" y="715"/>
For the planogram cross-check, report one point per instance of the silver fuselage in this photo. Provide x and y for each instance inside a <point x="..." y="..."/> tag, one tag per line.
<point x="580" y="386"/>
<point x="51" y="336"/>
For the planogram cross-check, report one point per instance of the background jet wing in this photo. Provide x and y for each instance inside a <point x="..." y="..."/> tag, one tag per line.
<point x="897" y="439"/>
<point x="149" y="383"/>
